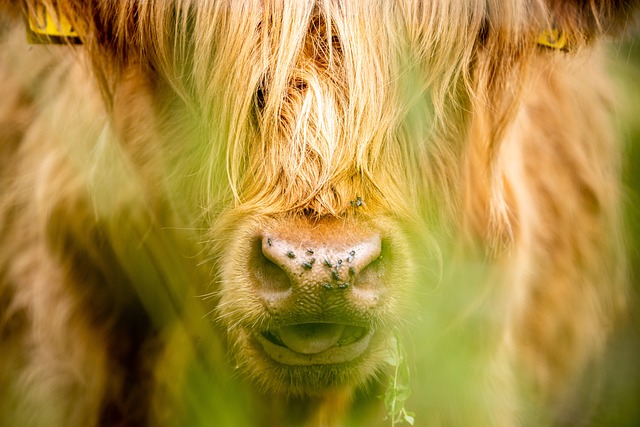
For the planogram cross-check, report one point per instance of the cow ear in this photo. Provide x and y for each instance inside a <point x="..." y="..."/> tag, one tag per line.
<point x="584" y="20"/>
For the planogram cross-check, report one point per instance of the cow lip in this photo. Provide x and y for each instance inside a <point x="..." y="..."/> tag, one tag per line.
<point x="351" y="343"/>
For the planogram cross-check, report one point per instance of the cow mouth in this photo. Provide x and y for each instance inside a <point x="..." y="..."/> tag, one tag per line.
<point x="315" y="343"/>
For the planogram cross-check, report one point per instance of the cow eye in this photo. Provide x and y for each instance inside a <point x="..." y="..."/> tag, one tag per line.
<point x="260" y="98"/>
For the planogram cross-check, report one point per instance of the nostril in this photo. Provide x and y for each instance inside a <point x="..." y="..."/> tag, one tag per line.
<point x="266" y="269"/>
<point x="372" y="275"/>
<point x="361" y="257"/>
<point x="364" y="262"/>
<point x="279" y="252"/>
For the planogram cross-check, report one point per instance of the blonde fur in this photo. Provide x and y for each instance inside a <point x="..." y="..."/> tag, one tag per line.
<point x="137" y="167"/>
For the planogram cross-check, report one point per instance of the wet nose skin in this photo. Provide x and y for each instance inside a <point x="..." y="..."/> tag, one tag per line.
<point x="321" y="264"/>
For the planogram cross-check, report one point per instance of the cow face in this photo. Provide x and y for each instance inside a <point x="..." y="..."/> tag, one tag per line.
<point x="325" y="179"/>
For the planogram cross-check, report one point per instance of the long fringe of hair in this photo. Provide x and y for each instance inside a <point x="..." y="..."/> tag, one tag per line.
<point x="353" y="88"/>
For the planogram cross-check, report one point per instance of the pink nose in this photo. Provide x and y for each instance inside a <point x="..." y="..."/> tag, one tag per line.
<point x="330" y="266"/>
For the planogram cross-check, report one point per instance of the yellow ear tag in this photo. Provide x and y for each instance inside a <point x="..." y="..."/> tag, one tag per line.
<point x="47" y="25"/>
<point x="553" y="38"/>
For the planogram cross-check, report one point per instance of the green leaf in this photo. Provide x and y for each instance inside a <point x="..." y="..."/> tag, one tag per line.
<point x="398" y="390"/>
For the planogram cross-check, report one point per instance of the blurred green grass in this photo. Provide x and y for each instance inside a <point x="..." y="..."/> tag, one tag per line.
<point x="620" y="388"/>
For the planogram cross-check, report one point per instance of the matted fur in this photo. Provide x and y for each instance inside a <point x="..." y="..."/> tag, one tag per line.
<point x="137" y="168"/>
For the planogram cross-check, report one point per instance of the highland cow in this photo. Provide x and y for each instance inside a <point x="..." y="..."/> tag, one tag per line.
<point x="313" y="213"/>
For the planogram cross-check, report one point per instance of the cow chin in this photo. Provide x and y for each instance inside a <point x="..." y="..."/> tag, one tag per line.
<point x="311" y="308"/>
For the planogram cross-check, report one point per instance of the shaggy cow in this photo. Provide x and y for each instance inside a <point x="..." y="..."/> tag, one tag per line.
<point x="269" y="212"/>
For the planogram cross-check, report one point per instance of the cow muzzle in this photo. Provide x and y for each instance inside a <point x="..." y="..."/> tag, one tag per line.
<point x="322" y="287"/>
